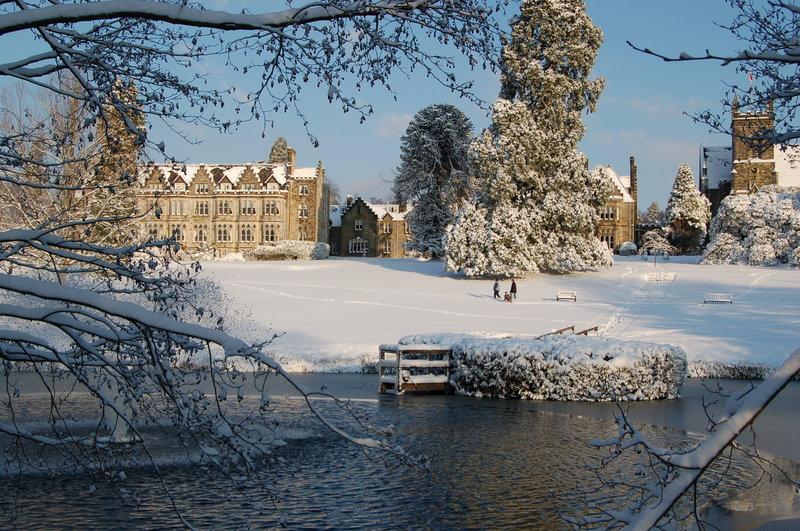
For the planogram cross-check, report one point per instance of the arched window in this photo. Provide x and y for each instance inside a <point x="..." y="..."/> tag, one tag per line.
<point x="303" y="211"/>
<point x="223" y="235"/>
<point x="178" y="234"/>
<point x="247" y="234"/>
<point x="303" y="189"/>
<point x="303" y="235"/>
<point x="201" y="235"/>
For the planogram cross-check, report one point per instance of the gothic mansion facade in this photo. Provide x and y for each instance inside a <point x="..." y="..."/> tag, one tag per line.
<point x="226" y="208"/>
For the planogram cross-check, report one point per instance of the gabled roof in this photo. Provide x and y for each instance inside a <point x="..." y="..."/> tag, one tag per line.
<point x="231" y="172"/>
<point x="621" y="184"/>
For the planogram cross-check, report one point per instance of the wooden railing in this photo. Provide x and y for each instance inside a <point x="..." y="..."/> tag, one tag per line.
<point x="416" y="368"/>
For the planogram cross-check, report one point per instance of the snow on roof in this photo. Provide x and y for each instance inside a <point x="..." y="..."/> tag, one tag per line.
<point x="717" y="163"/>
<point x="619" y="183"/>
<point x="233" y="172"/>
<point x="304" y="173"/>
<point x="335" y="215"/>
<point x="392" y="209"/>
<point x="787" y="164"/>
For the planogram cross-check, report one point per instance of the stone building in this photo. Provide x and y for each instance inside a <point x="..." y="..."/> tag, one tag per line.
<point x="744" y="166"/>
<point x="363" y="229"/>
<point x="618" y="216"/>
<point x="227" y="208"/>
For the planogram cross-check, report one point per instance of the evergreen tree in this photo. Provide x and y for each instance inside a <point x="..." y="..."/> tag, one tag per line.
<point x="654" y="214"/>
<point x="434" y="173"/>
<point x="688" y="213"/>
<point x="279" y="154"/>
<point x="539" y="206"/>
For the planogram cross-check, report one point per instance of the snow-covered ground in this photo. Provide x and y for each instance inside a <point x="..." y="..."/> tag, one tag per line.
<point x="334" y="313"/>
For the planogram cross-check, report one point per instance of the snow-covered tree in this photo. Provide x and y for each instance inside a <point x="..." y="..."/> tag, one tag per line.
<point x="434" y="174"/>
<point x="121" y="319"/>
<point x="655" y="242"/>
<point x="688" y="213"/>
<point x="279" y="154"/>
<point x="654" y="214"/>
<point x="539" y="201"/>
<point x="759" y="229"/>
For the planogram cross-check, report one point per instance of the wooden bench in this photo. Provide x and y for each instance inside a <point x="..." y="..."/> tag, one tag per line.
<point x="660" y="276"/>
<point x="722" y="298"/>
<point x="567" y="296"/>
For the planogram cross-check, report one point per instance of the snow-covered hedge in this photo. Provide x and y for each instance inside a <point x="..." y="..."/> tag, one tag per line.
<point x="759" y="229"/>
<point x="628" y="249"/>
<point x="289" y="250"/>
<point x="562" y="367"/>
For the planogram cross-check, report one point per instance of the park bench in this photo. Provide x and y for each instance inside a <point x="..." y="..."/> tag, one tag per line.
<point x="718" y="298"/>
<point x="661" y="276"/>
<point x="567" y="296"/>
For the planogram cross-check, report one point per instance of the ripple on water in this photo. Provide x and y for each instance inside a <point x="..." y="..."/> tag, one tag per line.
<point x="490" y="467"/>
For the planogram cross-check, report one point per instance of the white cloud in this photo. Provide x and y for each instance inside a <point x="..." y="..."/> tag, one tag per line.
<point x="392" y="125"/>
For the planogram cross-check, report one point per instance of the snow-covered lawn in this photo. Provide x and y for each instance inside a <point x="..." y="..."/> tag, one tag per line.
<point x="336" y="312"/>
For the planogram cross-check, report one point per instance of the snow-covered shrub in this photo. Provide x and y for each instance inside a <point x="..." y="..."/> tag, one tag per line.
<point x="562" y="367"/>
<point x="759" y="229"/>
<point x="654" y="242"/>
<point x="289" y="250"/>
<point x="628" y="249"/>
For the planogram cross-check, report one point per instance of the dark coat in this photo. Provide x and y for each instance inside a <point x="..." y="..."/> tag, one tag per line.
<point x="513" y="286"/>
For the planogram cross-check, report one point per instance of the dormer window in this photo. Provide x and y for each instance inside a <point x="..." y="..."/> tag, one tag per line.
<point x="359" y="224"/>
<point x="272" y="187"/>
<point x="180" y="186"/>
<point x="202" y="188"/>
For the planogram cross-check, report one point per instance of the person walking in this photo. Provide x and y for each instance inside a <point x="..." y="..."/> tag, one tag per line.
<point x="513" y="288"/>
<point x="496" y="288"/>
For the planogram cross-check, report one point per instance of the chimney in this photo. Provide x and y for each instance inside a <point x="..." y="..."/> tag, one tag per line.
<point x="634" y="188"/>
<point x="292" y="156"/>
<point x="349" y="200"/>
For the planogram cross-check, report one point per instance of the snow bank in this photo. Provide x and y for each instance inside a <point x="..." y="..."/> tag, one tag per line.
<point x="289" y="250"/>
<point x="562" y="367"/>
<point x="760" y="229"/>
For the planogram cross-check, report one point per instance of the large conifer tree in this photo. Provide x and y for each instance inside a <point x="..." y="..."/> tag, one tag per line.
<point x="688" y="213"/>
<point x="434" y="173"/>
<point x="540" y="201"/>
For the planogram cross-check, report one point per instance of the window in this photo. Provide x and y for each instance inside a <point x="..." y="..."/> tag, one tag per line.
<point x="303" y="211"/>
<point x="180" y="186"/>
<point x="178" y="234"/>
<point x="408" y="231"/>
<point x="272" y="187"/>
<point x="270" y="233"/>
<point x="201" y="235"/>
<point x="247" y="234"/>
<point x="249" y="187"/>
<point x="223" y="208"/>
<point x="387" y="247"/>
<point x="358" y="245"/>
<point x="248" y="208"/>
<point x="271" y="208"/>
<point x="225" y="186"/>
<point x="177" y="208"/>
<point x="223" y="235"/>
<point x="201" y="208"/>
<point x="202" y="188"/>
<point x="359" y="224"/>
<point x="608" y="213"/>
<point x="303" y="189"/>
<point x="608" y="239"/>
<point x="303" y="235"/>
<point x="152" y="232"/>
<point x="387" y="227"/>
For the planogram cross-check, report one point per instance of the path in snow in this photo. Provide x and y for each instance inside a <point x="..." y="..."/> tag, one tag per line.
<point x="336" y="312"/>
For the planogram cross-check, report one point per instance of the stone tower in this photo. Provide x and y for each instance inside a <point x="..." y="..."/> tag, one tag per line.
<point x="753" y="161"/>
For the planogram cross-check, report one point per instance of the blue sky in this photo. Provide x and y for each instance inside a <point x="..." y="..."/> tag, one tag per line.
<point x="641" y="112"/>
